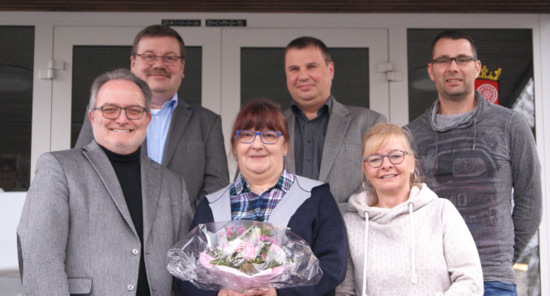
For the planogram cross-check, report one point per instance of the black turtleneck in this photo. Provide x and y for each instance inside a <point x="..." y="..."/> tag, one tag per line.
<point x="128" y="171"/>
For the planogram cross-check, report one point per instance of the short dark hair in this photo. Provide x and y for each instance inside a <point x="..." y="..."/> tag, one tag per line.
<point x="158" y="31"/>
<point x="119" y="74"/>
<point x="455" y="35"/>
<point x="307" y="41"/>
<point x="260" y="114"/>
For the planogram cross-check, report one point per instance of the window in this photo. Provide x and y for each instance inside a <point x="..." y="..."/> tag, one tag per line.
<point x="16" y="81"/>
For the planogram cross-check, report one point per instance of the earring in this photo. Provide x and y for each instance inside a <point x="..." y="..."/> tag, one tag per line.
<point x="413" y="178"/>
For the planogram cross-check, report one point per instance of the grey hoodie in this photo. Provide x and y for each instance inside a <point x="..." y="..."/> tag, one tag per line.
<point x="477" y="163"/>
<point x="420" y="247"/>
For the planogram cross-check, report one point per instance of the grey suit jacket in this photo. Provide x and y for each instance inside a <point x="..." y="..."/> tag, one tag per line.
<point x="342" y="156"/>
<point x="194" y="149"/>
<point x="76" y="234"/>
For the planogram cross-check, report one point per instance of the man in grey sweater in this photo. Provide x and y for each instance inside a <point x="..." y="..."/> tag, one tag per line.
<point x="483" y="158"/>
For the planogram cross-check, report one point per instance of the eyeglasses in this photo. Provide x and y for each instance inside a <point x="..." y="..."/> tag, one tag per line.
<point x="460" y="60"/>
<point x="113" y="112"/>
<point x="167" y="60"/>
<point x="267" y="137"/>
<point x="376" y="160"/>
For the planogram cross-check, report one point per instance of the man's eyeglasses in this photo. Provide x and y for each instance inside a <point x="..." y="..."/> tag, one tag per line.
<point x="267" y="137"/>
<point x="460" y="60"/>
<point x="113" y="112"/>
<point x="151" y="58"/>
<point x="376" y="160"/>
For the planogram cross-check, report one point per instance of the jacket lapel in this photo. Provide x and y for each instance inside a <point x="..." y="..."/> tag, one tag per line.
<point x="180" y="118"/>
<point x="106" y="173"/>
<point x="291" y="121"/>
<point x="150" y="190"/>
<point x="337" y="128"/>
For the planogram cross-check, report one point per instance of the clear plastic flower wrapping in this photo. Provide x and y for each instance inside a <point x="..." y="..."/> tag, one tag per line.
<point x="243" y="255"/>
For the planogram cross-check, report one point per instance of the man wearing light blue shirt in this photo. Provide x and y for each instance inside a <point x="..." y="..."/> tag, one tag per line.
<point x="158" y="129"/>
<point x="184" y="137"/>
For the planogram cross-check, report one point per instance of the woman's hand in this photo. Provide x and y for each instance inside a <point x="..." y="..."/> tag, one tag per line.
<point x="262" y="292"/>
<point x="227" y="292"/>
<point x="256" y="292"/>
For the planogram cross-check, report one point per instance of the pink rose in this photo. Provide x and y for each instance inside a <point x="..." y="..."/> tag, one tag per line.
<point x="249" y="251"/>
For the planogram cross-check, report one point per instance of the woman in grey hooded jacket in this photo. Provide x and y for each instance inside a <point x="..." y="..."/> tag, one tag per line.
<point x="403" y="239"/>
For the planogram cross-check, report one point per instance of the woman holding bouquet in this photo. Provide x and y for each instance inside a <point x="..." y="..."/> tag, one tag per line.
<point x="265" y="191"/>
<point x="403" y="239"/>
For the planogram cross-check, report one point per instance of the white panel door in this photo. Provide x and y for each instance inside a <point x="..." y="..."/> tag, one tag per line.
<point x="236" y="42"/>
<point x="66" y="39"/>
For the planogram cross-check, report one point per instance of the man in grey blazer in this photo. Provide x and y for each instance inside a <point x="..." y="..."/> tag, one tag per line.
<point x="325" y="135"/>
<point x="184" y="137"/>
<point x="99" y="220"/>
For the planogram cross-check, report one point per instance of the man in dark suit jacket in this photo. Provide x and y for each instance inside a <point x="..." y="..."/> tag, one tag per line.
<point x="185" y="138"/>
<point x="325" y="135"/>
<point x="100" y="219"/>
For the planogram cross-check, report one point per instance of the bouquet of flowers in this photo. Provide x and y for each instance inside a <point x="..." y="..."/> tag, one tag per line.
<point x="243" y="255"/>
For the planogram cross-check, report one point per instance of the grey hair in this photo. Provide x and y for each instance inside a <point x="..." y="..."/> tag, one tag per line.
<point x="119" y="74"/>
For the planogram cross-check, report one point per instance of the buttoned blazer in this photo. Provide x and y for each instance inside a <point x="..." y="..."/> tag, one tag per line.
<point x="194" y="149"/>
<point x="341" y="164"/>
<point x="76" y="235"/>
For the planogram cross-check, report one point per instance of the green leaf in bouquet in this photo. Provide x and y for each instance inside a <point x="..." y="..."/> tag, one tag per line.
<point x="248" y="268"/>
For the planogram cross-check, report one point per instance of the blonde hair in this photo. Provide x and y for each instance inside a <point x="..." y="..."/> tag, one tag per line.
<point x="379" y="135"/>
